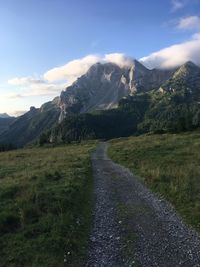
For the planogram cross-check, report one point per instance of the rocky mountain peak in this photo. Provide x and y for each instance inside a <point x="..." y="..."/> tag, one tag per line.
<point x="186" y="71"/>
<point x="32" y="109"/>
<point x="105" y="84"/>
<point x="190" y="64"/>
<point x="139" y="66"/>
<point x="54" y="104"/>
<point x="100" y="71"/>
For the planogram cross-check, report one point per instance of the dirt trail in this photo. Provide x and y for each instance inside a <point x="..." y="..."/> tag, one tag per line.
<point x="132" y="227"/>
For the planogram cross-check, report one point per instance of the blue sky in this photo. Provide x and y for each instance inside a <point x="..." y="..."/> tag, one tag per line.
<point x="39" y="35"/>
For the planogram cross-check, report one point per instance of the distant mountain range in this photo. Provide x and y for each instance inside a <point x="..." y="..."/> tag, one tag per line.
<point x="101" y="88"/>
<point x="28" y="127"/>
<point x="5" y="122"/>
<point x="4" y="115"/>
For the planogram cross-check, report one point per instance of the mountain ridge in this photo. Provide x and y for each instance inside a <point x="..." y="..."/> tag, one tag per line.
<point x="102" y="87"/>
<point x="4" y="115"/>
<point x="104" y="84"/>
<point x="28" y="127"/>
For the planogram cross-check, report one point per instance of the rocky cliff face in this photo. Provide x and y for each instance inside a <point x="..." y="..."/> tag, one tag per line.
<point x="101" y="88"/>
<point x="186" y="78"/>
<point x="105" y="84"/>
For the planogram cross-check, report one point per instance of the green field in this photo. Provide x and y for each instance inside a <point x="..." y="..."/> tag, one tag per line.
<point x="45" y="206"/>
<point x="46" y="193"/>
<point x="169" y="164"/>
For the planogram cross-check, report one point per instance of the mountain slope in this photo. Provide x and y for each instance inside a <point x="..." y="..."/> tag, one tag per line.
<point x="173" y="103"/>
<point x="175" y="106"/>
<point x="4" y="115"/>
<point x="5" y="122"/>
<point x="176" y="109"/>
<point x="185" y="78"/>
<point x="105" y="84"/>
<point x="29" y="126"/>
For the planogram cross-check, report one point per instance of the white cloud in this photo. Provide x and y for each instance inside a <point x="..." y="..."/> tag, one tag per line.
<point x="14" y="96"/>
<point x="75" y="68"/>
<point x="196" y="36"/>
<point x="18" y="113"/>
<point x="57" y="79"/>
<point x="189" y="23"/>
<point x="119" y="59"/>
<point x="177" y="4"/>
<point x="42" y="89"/>
<point x="25" y="81"/>
<point x="50" y="84"/>
<point x="72" y="69"/>
<point x="45" y="89"/>
<point x="34" y="86"/>
<point x="175" y="55"/>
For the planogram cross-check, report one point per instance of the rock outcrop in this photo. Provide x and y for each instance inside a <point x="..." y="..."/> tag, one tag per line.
<point x="104" y="85"/>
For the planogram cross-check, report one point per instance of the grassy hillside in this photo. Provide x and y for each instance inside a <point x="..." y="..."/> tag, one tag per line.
<point x="45" y="206"/>
<point x="169" y="165"/>
<point x="27" y="128"/>
<point x="4" y="123"/>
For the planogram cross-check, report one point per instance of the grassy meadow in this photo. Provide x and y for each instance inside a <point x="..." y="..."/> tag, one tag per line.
<point x="169" y="164"/>
<point x="45" y="206"/>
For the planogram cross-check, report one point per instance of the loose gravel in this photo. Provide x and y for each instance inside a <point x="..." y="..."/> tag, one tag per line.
<point x="132" y="226"/>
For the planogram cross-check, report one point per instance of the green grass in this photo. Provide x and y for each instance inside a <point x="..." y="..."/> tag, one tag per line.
<point x="169" y="164"/>
<point x="45" y="206"/>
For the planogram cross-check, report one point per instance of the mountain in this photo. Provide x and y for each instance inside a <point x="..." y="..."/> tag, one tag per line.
<point x="176" y="105"/>
<point x="161" y="105"/>
<point x="186" y="71"/>
<point x="106" y="124"/>
<point x="185" y="78"/>
<point x="4" y="115"/>
<point x="5" y="122"/>
<point x="104" y="85"/>
<point x="28" y="127"/>
<point x="115" y="97"/>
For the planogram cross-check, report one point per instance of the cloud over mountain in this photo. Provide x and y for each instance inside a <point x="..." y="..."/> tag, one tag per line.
<point x="56" y="79"/>
<point x="119" y="59"/>
<point x="175" y="55"/>
<point x="71" y="70"/>
<point x="75" y="68"/>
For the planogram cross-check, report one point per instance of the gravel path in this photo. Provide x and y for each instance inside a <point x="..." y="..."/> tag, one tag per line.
<point x="132" y="226"/>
